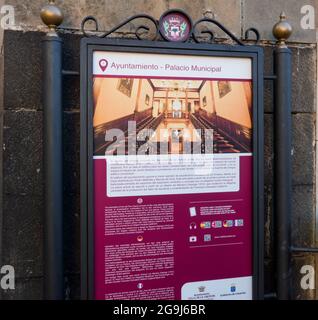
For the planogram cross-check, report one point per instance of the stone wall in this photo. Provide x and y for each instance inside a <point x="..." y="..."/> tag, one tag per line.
<point x="237" y="15"/>
<point x="22" y="233"/>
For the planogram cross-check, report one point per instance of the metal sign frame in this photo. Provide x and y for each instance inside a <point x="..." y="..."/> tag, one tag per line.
<point x="88" y="46"/>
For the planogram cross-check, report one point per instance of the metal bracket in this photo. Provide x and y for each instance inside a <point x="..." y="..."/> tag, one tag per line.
<point x="271" y="77"/>
<point x="70" y="73"/>
<point x="304" y="250"/>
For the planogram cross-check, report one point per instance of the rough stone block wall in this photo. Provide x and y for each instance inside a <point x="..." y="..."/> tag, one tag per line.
<point x="23" y="164"/>
<point x="22" y="160"/>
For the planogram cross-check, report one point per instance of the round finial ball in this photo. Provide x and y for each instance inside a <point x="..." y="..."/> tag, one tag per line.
<point x="51" y="15"/>
<point x="282" y="30"/>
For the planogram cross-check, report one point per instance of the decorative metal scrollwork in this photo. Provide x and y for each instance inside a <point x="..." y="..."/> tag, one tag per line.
<point x="160" y="27"/>
<point x="106" y="34"/>
<point x="255" y="31"/>
<point x="211" y="33"/>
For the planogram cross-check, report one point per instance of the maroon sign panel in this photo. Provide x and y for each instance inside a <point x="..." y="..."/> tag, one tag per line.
<point x="173" y="175"/>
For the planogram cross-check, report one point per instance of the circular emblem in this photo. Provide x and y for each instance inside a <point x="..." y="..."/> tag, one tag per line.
<point x="175" y="25"/>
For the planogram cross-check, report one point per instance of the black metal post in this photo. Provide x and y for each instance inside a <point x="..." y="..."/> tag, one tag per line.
<point x="53" y="154"/>
<point x="53" y="167"/>
<point x="282" y="154"/>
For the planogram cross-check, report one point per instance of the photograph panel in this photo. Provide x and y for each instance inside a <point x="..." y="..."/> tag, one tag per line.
<point x="171" y="116"/>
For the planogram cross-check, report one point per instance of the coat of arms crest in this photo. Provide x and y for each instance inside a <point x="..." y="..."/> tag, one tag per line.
<point x="175" y="26"/>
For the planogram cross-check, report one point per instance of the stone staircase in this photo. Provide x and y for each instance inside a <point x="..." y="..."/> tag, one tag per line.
<point x="220" y="143"/>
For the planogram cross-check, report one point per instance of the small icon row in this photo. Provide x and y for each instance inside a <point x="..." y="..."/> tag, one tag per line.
<point x="206" y="238"/>
<point x="217" y="224"/>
